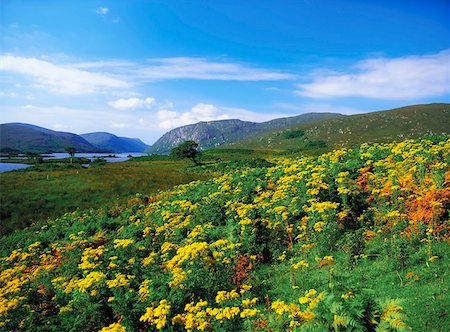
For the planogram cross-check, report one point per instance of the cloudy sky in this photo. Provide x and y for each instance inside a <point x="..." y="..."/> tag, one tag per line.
<point x="139" y="68"/>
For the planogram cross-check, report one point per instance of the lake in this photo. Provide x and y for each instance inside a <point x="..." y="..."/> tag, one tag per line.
<point x="92" y="156"/>
<point x="5" y="167"/>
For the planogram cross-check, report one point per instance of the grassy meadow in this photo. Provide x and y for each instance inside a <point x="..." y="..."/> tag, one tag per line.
<point x="49" y="190"/>
<point x="350" y="240"/>
<point x="384" y="126"/>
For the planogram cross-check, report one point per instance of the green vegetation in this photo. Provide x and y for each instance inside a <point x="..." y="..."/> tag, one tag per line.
<point x="186" y="150"/>
<point x="110" y="142"/>
<point x="349" y="131"/>
<point x="51" y="189"/>
<point x="212" y="134"/>
<point x="289" y="134"/>
<point x="351" y="240"/>
<point x="24" y="137"/>
<point x="71" y="151"/>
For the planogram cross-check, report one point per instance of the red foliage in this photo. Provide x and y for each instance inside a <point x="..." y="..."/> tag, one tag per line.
<point x="242" y="270"/>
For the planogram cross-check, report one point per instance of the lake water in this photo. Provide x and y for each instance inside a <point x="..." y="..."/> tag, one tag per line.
<point x="92" y="156"/>
<point x="5" y="167"/>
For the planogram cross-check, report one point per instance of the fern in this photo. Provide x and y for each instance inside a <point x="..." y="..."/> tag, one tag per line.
<point x="392" y="317"/>
<point x="340" y="320"/>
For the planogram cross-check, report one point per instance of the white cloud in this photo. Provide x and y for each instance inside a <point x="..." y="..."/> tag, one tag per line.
<point x="58" y="78"/>
<point x="297" y="109"/>
<point x="194" y="68"/>
<point x="204" y="69"/>
<point x="186" y="68"/>
<point x="84" y="120"/>
<point x="113" y="124"/>
<point x="201" y="112"/>
<point x="8" y="94"/>
<point x="59" y="126"/>
<point x="132" y="103"/>
<point x="169" y="119"/>
<point x="142" y="122"/>
<point x="102" y="10"/>
<point x="103" y="64"/>
<point x="402" y="78"/>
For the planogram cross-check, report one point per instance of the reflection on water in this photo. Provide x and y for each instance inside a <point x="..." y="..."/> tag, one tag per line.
<point x="5" y="167"/>
<point x="111" y="158"/>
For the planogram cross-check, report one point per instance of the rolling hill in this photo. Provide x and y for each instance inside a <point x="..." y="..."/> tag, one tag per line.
<point x="110" y="142"/>
<point x="382" y="126"/>
<point x="353" y="240"/>
<point x="217" y="133"/>
<point x="29" y="138"/>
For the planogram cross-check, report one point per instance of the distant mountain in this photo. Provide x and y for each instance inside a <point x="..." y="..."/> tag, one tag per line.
<point x="113" y="143"/>
<point x="217" y="133"/>
<point x="29" y="138"/>
<point x="382" y="126"/>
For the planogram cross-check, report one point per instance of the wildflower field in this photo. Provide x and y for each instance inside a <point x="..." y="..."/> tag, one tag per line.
<point x="42" y="192"/>
<point x="351" y="240"/>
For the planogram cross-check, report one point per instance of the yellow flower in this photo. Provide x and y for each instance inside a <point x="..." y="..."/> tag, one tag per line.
<point x="348" y="295"/>
<point x="318" y="226"/>
<point x="249" y="313"/>
<point x="122" y="243"/>
<point x="65" y="309"/>
<point x="280" y="307"/>
<point x="120" y="281"/>
<point x="282" y="257"/>
<point x="150" y="259"/>
<point x="144" y="292"/>
<point x="249" y="303"/>
<point x="304" y="300"/>
<point x="114" y="327"/>
<point x="157" y="316"/>
<point x="226" y="296"/>
<point x="178" y="276"/>
<point x="300" y="264"/>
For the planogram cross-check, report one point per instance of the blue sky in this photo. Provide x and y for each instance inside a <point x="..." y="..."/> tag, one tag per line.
<point x="140" y="68"/>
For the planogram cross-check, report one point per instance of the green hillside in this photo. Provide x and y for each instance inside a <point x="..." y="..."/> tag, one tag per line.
<point x="217" y="133"/>
<point x="22" y="137"/>
<point x="38" y="193"/>
<point x="352" y="240"/>
<point x="384" y="126"/>
<point x="113" y="143"/>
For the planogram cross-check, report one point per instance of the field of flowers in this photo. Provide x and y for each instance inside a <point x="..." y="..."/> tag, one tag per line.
<point x="310" y="244"/>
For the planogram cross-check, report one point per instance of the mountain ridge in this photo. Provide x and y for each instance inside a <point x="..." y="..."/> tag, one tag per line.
<point x="108" y="141"/>
<point x="26" y="137"/>
<point x="400" y="123"/>
<point x="209" y="134"/>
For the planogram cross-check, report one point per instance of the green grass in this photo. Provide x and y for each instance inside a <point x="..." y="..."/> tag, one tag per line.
<point x="384" y="126"/>
<point x="30" y="196"/>
<point x="421" y="285"/>
<point x="50" y="189"/>
<point x="253" y="226"/>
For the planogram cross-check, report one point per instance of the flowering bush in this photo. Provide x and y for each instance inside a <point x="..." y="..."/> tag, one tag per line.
<point x="210" y="255"/>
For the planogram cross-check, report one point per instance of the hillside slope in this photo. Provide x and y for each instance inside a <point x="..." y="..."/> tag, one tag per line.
<point x="383" y="126"/>
<point x="113" y="143"/>
<point x="352" y="240"/>
<point x="29" y="138"/>
<point x="216" y="133"/>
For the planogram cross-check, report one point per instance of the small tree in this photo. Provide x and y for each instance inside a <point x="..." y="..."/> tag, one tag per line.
<point x="187" y="149"/>
<point x="70" y="150"/>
